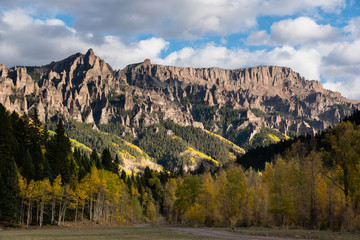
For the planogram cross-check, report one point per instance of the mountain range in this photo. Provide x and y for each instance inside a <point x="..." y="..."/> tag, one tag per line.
<point x="241" y="108"/>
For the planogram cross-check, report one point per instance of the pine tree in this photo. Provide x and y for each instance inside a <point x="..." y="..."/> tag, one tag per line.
<point x="9" y="188"/>
<point x="106" y="161"/>
<point x="28" y="169"/>
<point x="58" y="153"/>
<point x="95" y="160"/>
<point x="123" y="175"/>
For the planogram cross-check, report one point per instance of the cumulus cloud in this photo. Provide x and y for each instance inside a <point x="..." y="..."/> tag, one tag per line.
<point x="285" y="7"/>
<point x="118" y="54"/>
<point x="345" y="54"/>
<point x="29" y="41"/>
<point x="353" y="28"/>
<point x="259" y="38"/>
<point x="186" y="19"/>
<point x="25" y="40"/>
<point x="302" y="30"/>
<point x="212" y="55"/>
<point x="305" y="61"/>
<point x="341" y="69"/>
<point x="349" y="88"/>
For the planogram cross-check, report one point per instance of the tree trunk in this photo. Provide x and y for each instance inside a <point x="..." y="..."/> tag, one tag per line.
<point x="313" y="211"/>
<point x="22" y="212"/>
<point x="53" y="205"/>
<point x="91" y="206"/>
<point x="82" y="213"/>
<point x="41" y="213"/>
<point x="346" y="184"/>
<point x="28" y="220"/>
<point x="37" y="212"/>
<point x="60" y="209"/>
<point x="76" y="211"/>
<point x="63" y="217"/>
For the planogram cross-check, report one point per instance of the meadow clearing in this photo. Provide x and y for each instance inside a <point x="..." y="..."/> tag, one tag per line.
<point x="178" y="233"/>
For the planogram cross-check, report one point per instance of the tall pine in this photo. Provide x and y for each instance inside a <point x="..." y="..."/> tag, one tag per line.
<point x="107" y="161"/>
<point x="58" y="153"/>
<point x="9" y="189"/>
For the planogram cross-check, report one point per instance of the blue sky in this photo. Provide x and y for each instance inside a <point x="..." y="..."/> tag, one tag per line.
<point x="320" y="39"/>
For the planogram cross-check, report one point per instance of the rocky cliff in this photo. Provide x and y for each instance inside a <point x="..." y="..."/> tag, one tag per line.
<point x="229" y="102"/>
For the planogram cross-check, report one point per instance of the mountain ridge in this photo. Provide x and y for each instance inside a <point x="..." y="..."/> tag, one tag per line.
<point x="234" y="103"/>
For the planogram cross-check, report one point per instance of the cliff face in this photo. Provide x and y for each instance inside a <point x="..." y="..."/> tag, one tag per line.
<point x="87" y="89"/>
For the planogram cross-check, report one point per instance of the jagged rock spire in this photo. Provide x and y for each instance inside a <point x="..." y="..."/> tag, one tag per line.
<point x="90" y="52"/>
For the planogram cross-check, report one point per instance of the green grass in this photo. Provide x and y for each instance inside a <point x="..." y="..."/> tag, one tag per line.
<point x="94" y="233"/>
<point x="298" y="233"/>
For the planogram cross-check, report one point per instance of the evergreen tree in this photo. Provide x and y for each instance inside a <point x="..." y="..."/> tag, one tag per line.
<point x="123" y="175"/>
<point x="58" y="153"/>
<point x="106" y="161"/>
<point x="28" y="170"/>
<point x="201" y="169"/>
<point x="95" y="160"/>
<point x="47" y="171"/>
<point x="117" y="161"/>
<point x="9" y="188"/>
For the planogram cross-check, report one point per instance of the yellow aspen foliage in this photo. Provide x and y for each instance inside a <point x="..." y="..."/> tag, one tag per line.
<point x="44" y="196"/>
<point x="280" y="194"/>
<point x="22" y="185"/>
<point x="57" y="189"/>
<point x="195" y="213"/>
<point x="30" y="198"/>
<point x="207" y="200"/>
<point x="186" y="194"/>
<point x="254" y="208"/>
<point x="169" y="200"/>
<point x="151" y="211"/>
<point x="232" y="190"/>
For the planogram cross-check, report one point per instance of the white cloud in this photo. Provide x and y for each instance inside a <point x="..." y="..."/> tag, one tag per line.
<point x="54" y="22"/>
<point x="212" y="56"/>
<point x="286" y="7"/>
<point x="259" y="38"/>
<point x="305" y="61"/>
<point x="341" y="69"/>
<point x="186" y="19"/>
<point x="345" y="54"/>
<point x="299" y="31"/>
<point x="302" y="30"/>
<point x="349" y="88"/>
<point x="118" y="54"/>
<point x="29" y="41"/>
<point x="353" y="28"/>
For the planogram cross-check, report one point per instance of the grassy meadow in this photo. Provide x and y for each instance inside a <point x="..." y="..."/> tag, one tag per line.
<point x="149" y="233"/>
<point x="297" y="233"/>
<point x="94" y="233"/>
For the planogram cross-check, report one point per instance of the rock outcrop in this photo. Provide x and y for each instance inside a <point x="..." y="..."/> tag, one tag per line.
<point x="87" y="89"/>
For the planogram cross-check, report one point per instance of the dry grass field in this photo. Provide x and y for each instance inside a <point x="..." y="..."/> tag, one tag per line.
<point x="176" y="233"/>
<point x="94" y="233"/>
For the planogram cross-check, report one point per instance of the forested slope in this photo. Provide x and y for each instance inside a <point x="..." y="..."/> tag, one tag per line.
<point x="313" y="184"/>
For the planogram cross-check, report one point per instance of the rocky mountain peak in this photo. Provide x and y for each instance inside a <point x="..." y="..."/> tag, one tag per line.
<point x="90" y="52"/>
<point x="147" y="62"/>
